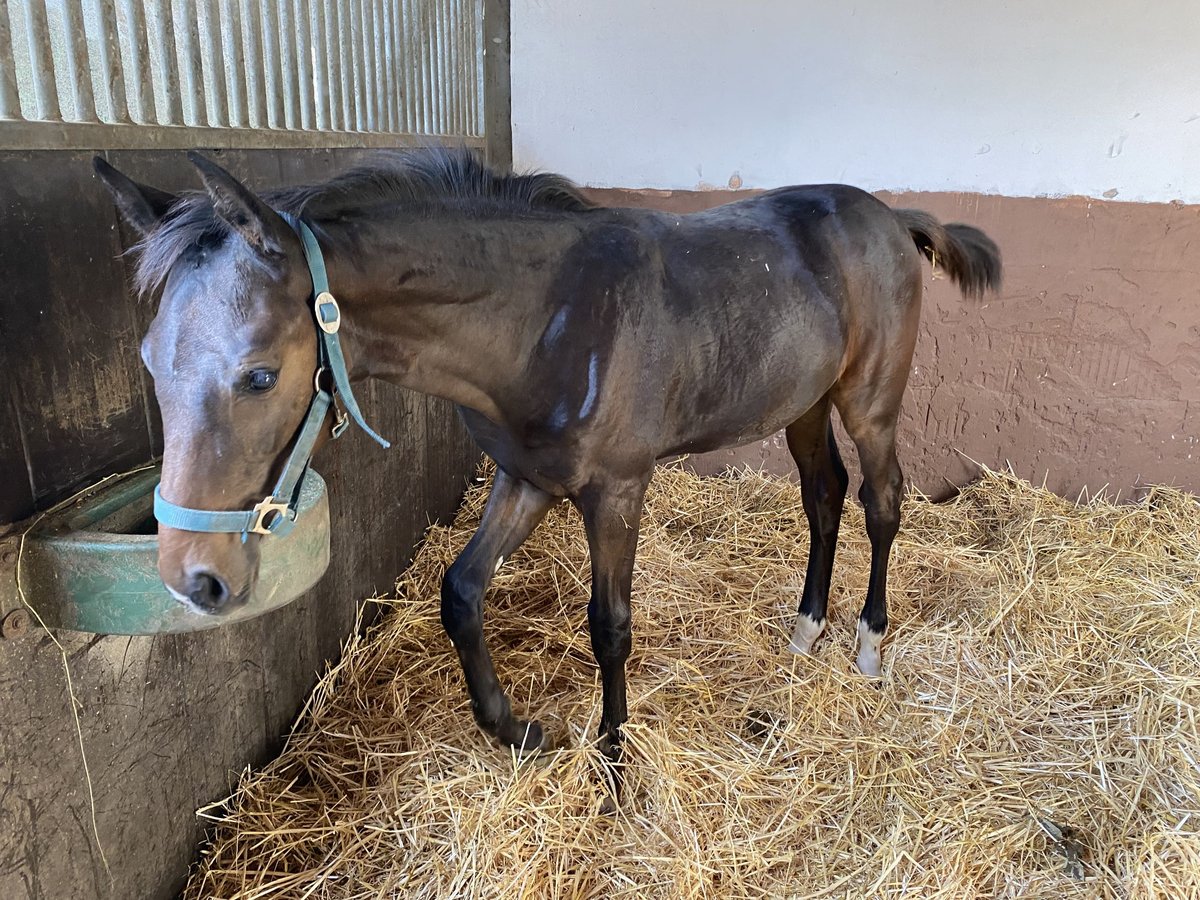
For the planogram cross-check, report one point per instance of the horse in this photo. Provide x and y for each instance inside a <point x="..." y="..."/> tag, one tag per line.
<point x="581" y="345"/>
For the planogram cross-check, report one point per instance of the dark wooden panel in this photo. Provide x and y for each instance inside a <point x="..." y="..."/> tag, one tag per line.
<point x="169" y="722"/>
<point x="318" y="165"/>
<point x="68" y="327"/>
<point x="16" y="490"/>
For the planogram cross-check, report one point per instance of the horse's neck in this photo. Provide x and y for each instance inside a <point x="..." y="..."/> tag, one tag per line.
<point x="449" y="306"/>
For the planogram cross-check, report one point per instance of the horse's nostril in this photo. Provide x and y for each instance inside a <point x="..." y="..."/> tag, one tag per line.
<point x="207" y="591"/>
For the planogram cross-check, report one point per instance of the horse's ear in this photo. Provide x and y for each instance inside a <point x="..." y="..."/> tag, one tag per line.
<point x="141" y="205"/>
<point x="245" y="213"/>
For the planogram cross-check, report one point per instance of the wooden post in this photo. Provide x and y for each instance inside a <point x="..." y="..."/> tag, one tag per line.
<point x="497" y="84"/>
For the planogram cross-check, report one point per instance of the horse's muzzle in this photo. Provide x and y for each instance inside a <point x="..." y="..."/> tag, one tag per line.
<point x="209" y="593"/>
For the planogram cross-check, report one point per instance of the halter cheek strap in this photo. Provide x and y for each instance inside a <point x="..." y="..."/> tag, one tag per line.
<point x="276" y="513"/>
<point x="329" y="319"/>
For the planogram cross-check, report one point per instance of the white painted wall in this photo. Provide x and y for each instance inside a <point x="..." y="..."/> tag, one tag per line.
<point x="1015" y="97"/>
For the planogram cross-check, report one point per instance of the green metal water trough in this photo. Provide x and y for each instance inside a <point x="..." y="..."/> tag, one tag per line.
<point x="92" y="565"/>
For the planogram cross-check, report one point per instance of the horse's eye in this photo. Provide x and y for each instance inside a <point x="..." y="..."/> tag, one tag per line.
<point x="261" y="380"/>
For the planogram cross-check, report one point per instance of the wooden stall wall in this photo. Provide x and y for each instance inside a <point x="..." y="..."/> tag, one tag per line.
<point x="167" y="722"/>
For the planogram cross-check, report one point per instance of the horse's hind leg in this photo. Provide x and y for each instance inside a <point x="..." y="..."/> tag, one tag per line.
<point x="870" y="419"/>
<point x="513" y="510"/>
<point x="823" y="482"/>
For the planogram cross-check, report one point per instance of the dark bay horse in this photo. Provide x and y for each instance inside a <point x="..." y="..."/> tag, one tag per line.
<point x="582" y="344"/>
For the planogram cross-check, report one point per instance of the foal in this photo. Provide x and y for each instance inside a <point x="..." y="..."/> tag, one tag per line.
<point x="581" y="344"/>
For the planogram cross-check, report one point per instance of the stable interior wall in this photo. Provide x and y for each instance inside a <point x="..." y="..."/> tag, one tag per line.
<point x="1069" y="132"/>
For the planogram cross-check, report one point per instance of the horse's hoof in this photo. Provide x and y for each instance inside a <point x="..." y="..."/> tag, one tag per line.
<point x="610" y="749"/>
<point x="869" y="661"/>
<point x="527" y="738"/>
<point x="760" y="723"/>
<point x="869" y="664"/>
<point x="870" y="668"/>
<point x="805" y="634"/>
<point x="613" y="769"/>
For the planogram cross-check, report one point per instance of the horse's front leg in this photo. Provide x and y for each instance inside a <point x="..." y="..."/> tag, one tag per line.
<point x="612" y="514"/>
<point x="513" y="510"/>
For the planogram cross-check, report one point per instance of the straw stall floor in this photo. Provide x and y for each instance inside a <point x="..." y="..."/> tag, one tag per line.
<point x="1035" y="733"/>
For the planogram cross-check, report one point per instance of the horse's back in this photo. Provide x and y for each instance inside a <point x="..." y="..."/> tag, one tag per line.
<point x="753" y="298"/>
<point x="818" y="234"/>
<point x="726" y="324"/>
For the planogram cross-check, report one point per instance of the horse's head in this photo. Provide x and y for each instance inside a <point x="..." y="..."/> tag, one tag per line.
<point x="232" y="351"/>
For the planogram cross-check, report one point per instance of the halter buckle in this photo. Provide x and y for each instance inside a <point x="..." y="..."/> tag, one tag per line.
<point x="328" y="313"/>
<point x="262" y="510"/>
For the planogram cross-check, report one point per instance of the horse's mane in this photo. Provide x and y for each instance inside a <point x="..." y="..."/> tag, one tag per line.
<point x="424" y="179"/>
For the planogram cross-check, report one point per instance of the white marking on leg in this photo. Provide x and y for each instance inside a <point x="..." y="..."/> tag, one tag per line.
<point x="869" y="661"/>
<point x="806" y="632"/>
<point x="499" y="563"/>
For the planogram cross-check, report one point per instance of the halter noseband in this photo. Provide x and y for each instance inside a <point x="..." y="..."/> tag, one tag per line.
<point x="276" y="513"/>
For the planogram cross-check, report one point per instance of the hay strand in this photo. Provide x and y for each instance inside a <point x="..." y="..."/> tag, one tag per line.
<point x="1035" y="733"/>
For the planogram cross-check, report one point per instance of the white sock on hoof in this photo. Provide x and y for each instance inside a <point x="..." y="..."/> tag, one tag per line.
<point x="805" y="634"/>
<point x="869" y="661"/>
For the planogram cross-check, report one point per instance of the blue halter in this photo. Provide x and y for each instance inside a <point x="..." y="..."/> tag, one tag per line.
<point x="276" y="513"/>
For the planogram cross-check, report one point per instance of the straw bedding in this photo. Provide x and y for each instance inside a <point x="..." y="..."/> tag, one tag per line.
<point x="1035" y="734"/>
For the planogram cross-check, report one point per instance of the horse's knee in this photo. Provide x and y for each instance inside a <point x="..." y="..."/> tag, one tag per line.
<point x="462" y="603"/>
<point x="883" y="526"/>
<point x="611" y="630"/>
<point x="611" y="645"/>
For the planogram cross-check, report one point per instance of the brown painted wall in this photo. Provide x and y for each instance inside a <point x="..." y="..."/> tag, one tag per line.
<point x="1085" y="370"/>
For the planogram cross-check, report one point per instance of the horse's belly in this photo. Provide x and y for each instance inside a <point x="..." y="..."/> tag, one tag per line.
<point x="748" y="392"/>
<point x="723" y="432"/>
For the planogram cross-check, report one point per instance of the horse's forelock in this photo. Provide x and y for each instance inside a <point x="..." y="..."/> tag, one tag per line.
<point x="190" y="223"/>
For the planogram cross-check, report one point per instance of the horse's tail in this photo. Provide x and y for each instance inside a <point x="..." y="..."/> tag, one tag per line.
<point x="970" y="257"/>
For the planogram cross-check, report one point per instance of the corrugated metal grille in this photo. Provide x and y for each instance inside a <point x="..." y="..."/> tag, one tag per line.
<point x="380" y="67"/>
